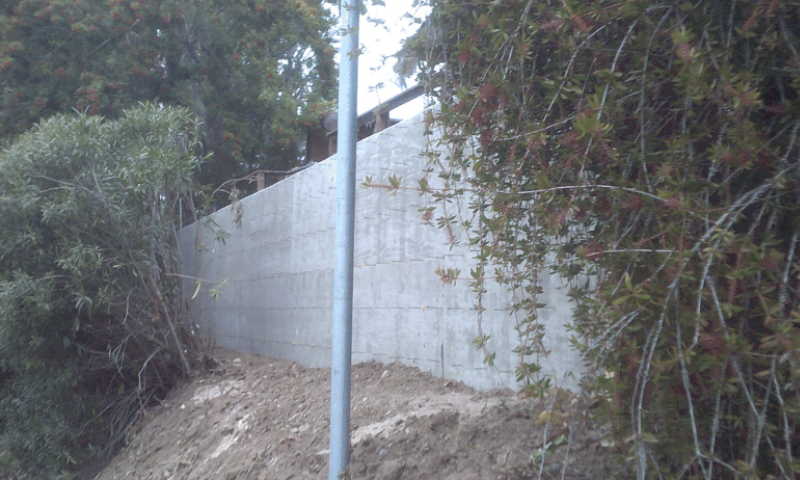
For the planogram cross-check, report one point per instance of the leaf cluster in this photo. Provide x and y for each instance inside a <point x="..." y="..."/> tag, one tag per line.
<point x="647" y="152"/>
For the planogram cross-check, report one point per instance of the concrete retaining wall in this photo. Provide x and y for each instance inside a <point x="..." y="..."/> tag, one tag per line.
<point x="278" y="273"/>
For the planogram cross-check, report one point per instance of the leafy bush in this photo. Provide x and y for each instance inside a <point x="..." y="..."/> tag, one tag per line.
<point x="91" y="321"/>
<point x="647" y="151"/>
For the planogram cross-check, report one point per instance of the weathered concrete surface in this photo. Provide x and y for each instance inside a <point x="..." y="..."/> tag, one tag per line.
<point x="278" y="273"/>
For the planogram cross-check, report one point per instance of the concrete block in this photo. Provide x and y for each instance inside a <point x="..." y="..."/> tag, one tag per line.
<point x="311" y="289"/>
<point x="317" y="251"/>
<point x="366" y="241"/>
<point x="365" y="294"/>
<point x="420" y="334"/>
<point x="375" y="332"/>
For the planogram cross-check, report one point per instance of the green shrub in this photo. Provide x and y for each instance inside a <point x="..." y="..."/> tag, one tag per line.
<point x="91" y="322"/>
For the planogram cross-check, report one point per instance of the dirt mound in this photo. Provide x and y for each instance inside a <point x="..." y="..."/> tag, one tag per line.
<point x="261" y="418"/>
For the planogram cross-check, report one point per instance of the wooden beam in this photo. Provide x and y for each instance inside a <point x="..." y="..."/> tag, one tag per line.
<point x="389" y="105"/>
<point x="384" y="108"/>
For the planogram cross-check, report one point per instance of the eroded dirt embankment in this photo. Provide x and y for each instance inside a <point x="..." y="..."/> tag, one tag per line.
<point x="257" y="417"/>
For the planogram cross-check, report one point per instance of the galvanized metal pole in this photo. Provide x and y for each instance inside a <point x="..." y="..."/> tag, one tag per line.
<point x="342" y="331"/>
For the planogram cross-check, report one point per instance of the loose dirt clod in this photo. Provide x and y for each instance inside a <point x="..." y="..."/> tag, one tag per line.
<point x="262" y="418"/>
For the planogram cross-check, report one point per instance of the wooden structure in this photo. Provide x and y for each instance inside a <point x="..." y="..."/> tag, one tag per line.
<point x="321" y="144"/>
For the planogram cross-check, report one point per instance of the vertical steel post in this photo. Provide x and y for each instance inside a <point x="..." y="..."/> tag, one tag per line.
<point x="342" y="330"/>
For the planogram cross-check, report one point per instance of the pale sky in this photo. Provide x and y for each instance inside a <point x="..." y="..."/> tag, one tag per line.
<point x="377" y="41"/>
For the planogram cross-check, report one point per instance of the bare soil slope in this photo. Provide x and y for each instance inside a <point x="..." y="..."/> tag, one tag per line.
<point x="257" y="417"/>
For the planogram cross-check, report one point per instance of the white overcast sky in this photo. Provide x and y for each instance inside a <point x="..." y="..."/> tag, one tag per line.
<point x="377" y="41"/>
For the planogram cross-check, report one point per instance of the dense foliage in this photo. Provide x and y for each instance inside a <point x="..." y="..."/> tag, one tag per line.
<point x="648" y="152"/>
<point x="256" y="73"/>
<point x="92" y="325"/>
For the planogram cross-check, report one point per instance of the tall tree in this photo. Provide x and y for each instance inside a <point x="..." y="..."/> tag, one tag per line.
<point x="256" y="72"/>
